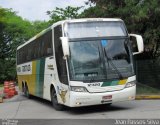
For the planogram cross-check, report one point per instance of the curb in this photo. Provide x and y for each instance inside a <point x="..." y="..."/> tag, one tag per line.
<point x="141" y="97"/>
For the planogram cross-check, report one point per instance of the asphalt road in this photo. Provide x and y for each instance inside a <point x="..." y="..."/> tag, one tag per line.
<point x="19" y="107"/>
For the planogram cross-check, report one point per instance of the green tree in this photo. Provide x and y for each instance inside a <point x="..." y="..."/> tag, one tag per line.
<point x="13" y="32"/>
<point x="38" y="26"/>
<point x="61" y="14"/>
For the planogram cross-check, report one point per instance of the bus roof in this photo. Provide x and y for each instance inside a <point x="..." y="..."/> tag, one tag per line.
<point x="68" y="21"/>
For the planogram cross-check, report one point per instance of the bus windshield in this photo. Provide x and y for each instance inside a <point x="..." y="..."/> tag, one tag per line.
<point x="99" y="60"/>
<point x="99" y="51"/>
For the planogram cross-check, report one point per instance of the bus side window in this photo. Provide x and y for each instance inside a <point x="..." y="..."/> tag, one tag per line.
<point x="29" y="51"/>
<point x="41" y="48"/>
<point x="24" y="54"/>
<point x="32" y="52"/>
<point x="48" y="44"/>
<point x="61" y="63"/>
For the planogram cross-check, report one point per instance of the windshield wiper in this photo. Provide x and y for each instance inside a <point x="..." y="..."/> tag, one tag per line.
<point x="92" y="79"/>
<point x="88" y="80"/>
<point x="110" y="61"/>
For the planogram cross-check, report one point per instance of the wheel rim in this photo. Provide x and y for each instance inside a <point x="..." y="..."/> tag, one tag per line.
<point x="54" y="98"/>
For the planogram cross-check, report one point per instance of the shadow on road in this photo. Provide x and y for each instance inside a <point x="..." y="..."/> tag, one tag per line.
<point x="94" y="109"/>
<point x="84" y="110"/>
<point x="41" y="101"/>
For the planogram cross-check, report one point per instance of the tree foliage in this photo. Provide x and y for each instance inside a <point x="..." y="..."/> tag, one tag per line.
<point x="13" y="32"/>
<point x="59" y="14"/>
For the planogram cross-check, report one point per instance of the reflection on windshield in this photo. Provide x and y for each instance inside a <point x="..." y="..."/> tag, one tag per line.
<point x="100" y="60"/>
<point x="85" y="60"/>
<point x="117" y="58"/>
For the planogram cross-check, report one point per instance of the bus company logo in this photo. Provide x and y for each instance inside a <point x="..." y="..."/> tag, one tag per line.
<point x="94" y="84"/>
<point x="26" y="68"/>
<point x="18" y="69"/>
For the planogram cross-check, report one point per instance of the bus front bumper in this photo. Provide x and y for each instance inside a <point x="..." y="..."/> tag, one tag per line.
<point x="78" y="99"/>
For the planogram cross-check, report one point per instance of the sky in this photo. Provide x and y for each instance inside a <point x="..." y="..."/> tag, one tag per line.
<point x="36" y="9"/>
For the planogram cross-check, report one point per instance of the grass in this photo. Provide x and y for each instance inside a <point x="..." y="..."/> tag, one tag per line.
<point x="146" y="90"/>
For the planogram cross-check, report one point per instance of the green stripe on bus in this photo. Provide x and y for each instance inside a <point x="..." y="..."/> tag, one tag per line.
<point x="40" y="65"/>
<point x="37" y="77"/>
<point x="41" y="78"/>
<point x="110" y="83"/>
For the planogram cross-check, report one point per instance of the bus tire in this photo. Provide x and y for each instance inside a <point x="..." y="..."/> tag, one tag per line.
<point x="54" y="101"/>
<point x="26" y="92"/>
<point x="22" y="87"/>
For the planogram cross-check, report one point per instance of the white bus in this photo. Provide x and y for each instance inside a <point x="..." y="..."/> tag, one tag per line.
<point x="79" y="62"/>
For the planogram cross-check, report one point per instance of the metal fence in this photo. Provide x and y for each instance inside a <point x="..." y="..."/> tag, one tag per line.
<point x="148" y="72"/>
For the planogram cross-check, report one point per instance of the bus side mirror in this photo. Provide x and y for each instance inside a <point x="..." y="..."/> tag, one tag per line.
<point x="65" y="46"/>
<point x="137" y="43"/>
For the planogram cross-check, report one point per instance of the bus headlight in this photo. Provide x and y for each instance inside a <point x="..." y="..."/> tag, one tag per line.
<point x="78" y="89"/>
<point x="130" y="84"/>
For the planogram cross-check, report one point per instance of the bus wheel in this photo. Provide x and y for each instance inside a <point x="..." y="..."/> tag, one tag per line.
<point x="23" y="87"/>
<point x="109" y="104"/>
<point x="54" y="100"/>
<point x="26" y="91"/>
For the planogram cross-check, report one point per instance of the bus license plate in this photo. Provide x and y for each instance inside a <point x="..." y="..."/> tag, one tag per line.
<point x="107" y="97"/>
